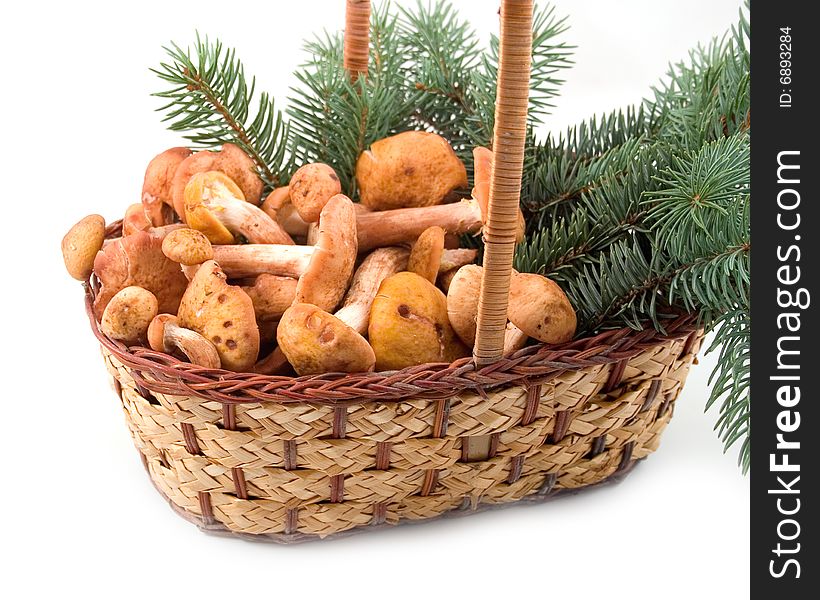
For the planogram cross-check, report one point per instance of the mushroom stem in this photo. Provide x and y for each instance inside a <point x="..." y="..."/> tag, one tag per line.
<point x="166" y="335"/>
<point x="250" y="260"/>
<point x="195" y="347"/>
<point x="378" y="266"/>
<point x="392" y="227"/>
<point x="251" y="222"/>
<point x="274" y="363"/>
<point x="456" y="258"/>
<point x="213" y="202"/>
<point x="514" y="339"/>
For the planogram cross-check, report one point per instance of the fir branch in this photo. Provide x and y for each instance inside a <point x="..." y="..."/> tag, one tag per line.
<point x="211" y="101"/>
<point x="333" y="120"/>
<point x="730" y="382"/>
<point x="549" y="58"/>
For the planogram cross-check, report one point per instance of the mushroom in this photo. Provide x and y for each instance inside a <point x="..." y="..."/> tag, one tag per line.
<point x="323" y="270"/>
<point x="215" y="205"/>
<point x="279" y="208"/>
<point x="223" y="314"/>
<point x="311" y="186"/>
<point x="271" y="296"/>
<point x="414" y="168"/>
<point x="137" y="259"/>
<point x="187" y="247"/>
<point x="135" y="219"/>
<point x="482" y="170"/>
<point x="425" y="257"/>
<point x="455" y="258"/>
<point x="165" y="335"/>
<point x="231" y="161"/>
<point x="462" y="309"/>
<point x="314" y="342"/>
<point x="541" y="308"/>
<point x="128" y="314"/>
<point x="311" y="338"/>
<point x="379" y="265"/>
<point x="81" y="244"/>
<point x="409" y="324"/>
<point x="156" y="187"/>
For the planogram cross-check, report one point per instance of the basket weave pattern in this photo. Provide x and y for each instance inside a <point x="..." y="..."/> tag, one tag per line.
<point x="290" y="470"/>
<point x="292" y="458"/>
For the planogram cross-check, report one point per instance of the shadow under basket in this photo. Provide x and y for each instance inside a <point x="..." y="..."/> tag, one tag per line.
<point x="288" y="459"/>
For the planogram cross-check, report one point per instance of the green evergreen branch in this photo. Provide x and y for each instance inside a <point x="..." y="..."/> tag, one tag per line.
<point x="211" y="100"/>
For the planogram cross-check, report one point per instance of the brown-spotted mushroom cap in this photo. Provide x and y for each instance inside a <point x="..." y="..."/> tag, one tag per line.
<point x="137" y="259"/>
<point x="128" y="315"/>
<point x="315" y="342"/>
<point x="311" y="186"/>
<point x="414" y="168"/>
<point x="541" y="309"/>
<point x="409" y="324"/>
<point x="331" y="265"/>
<point x="425" y="257"/>
<point x="187" y="247"/>
<point x="223" y="314"/>
<point x="165" y="335"/>
<point x="231" y="161"/>
<point x="156" y="187"/>
<point x="81" y="244"/>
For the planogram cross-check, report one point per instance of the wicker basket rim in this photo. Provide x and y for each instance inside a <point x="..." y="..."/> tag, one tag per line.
<point x="530" y="365"/>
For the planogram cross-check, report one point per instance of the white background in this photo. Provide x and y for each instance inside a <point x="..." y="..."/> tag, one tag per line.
<point x="79" y="514"/>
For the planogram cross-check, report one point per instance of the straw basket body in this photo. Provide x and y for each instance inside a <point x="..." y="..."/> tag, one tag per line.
<point x="287" y="459"/>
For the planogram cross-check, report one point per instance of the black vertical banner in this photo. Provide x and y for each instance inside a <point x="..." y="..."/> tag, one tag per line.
<point x="785" y="557"/>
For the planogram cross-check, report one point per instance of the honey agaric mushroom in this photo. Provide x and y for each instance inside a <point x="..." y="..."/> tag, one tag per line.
<point x="128" y="314"/>
<point x="462" y="309"/>
<point x="187" y="247"/>
<point x="279" y="208"/>
<point x="137" y="259"/>
<point x="378" y="266"/>
<point x="310" y="337"/>
<point x="214" y="205"/>
<point x="135" y="219"/>
<point x="323" y="270"/>
<point x="455" y="258"/>
<point x="311" y="186"/>
<point x="165" y="335"/>
<point x="425" y="257"/>
<point x="541" y="309"/>
<point x="271" y="296"/>
<point x="314" y="342"/>
<point x="223" y="314"/>
<point x="231" y="161"/>
<point x="156" y="187"/>
<point x="482" y="170"/>
<point x="81" y="244"/>
<point x="414" y="168"/>
<point x="409" y="324"/>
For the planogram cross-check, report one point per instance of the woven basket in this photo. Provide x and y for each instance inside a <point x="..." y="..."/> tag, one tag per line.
<point x="286" y="459"/>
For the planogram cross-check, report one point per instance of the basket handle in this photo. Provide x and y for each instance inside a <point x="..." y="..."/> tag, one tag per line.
<point x="509" y="136"/>
<point x="357" y="38"/>
<point x="512" y="102"/>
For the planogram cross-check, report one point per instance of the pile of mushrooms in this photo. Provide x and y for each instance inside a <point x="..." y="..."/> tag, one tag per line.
<point x="305" y="281"/>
